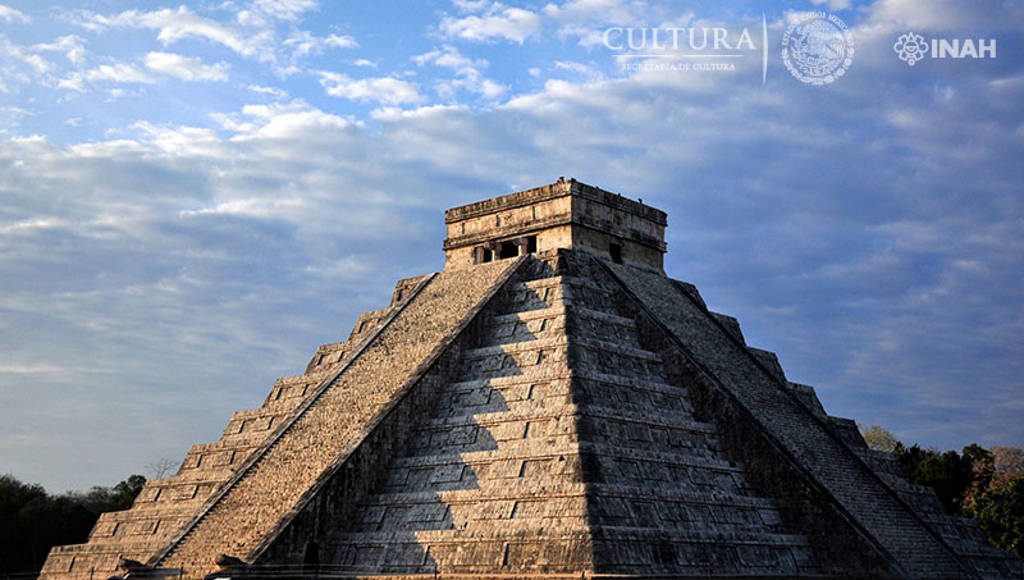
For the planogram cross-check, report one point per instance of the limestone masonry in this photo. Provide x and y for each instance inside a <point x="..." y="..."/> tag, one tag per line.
<point x="550" y="405"/>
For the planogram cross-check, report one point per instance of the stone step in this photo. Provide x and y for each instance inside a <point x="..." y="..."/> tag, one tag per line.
<point x="253" y="420"/>
<point x="569" y="511"/>
<point x="508" y="531"/>
<point x="618" y="380"/>
<point x="652" y="417"/>
<point x="518" y="450"/>
<point x="523" y="411"/>
<point x="217" y="454"/>
<point x="515" y="347"/>
<point x="555" y="311"/>
<point x="511" y="490"/>
<point x="588" y="313"/>
<point x="596" y="417"/>
<point x="466" y="385"/>
<point x="709" y="536"/>
<point x="532" y="295"/>
<point x="671" y="493"/>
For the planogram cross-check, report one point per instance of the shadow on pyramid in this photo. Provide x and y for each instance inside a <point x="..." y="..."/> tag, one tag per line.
<point x="550" y="405"/>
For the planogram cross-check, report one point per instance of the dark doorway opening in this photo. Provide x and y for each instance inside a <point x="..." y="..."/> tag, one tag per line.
<point x="507" y="250"/>
<point x="616" y="252"/>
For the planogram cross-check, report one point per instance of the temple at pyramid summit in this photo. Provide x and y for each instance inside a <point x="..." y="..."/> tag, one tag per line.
<point x="549" y="405"/>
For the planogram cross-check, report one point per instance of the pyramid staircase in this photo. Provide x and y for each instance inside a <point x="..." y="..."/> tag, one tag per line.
<point x="559" y="446"/>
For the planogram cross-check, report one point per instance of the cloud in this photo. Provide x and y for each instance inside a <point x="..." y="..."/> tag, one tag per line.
<point x="118" y="72"/>
<point x="302" y="43"/>
<point x="19" y="65"/>
<point x="586" y="20"/>
<point x="71" y="45"/>
<point x="285" y="9"/>
<point x="8" y="14"/>
<point x="945" y="15"/>
<point x="185" y="68"/>
<point x="468" y="70"/>
<point x="175" y="25"/>
<point x="385" y="90"/>
<point x="498" y="23"/>
<point x="833" y="4"/>
<point x="269" y="91"/>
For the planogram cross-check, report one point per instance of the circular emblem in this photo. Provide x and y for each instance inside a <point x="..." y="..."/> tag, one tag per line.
<point x="910" y="48"/>
<point x="818" y="49"/>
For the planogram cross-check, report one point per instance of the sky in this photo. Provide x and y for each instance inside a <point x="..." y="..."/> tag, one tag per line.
<point x="195" y="194"/>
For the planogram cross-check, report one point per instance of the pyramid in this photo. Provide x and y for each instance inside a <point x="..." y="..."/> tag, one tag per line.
<point x="550" y="405"/>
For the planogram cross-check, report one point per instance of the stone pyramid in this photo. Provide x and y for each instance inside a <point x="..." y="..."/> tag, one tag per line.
<point x="551" y="404"/>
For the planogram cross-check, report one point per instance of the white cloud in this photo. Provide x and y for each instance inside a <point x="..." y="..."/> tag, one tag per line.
<point x="587" y="19"/>
<point x="280" y="121"/>
<point x="470" y="5"/>
<point x="340" y="41"/>
<point x="587" y="71"/>
<point x="8" y="14"/>
<point x="468" y="70"/>
<point x="949" y="14"/>
<point x="833" y="4"/>
<point x="185" y="68"/>
<point x="498" y="23"/>
<point x="21" y="64"/>
<point x="285" y="9"/>
<point x="269" y="91"/>
<point x="71" y="45"/>
<point x="385" y="90"/>
<point x="302" y="43"/>
<point x="118" y="72"/>
<point x="450" y="57"/>
<point x="177" y="24"/>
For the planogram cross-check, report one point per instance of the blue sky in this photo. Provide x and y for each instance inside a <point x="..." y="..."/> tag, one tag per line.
<point x="193" y="196"/>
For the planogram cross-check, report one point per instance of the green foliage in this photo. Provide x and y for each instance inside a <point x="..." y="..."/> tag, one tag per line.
<point x="948" y="472"/>
<point x="1000" y="513"/>
<point x="32" y="521"/>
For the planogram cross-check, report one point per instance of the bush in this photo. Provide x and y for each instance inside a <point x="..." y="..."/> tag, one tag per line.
<point x="1000" y="513"/>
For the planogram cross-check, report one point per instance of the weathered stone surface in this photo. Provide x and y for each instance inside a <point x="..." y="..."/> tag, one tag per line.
<point x="753" y="380"/>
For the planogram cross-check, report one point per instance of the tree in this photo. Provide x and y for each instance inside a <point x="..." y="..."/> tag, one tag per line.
<point x="32" y="521"/>
<point x="162" y="467"/>
<point x="1000" y="514"/>
<point x="950" y="474"/>
<point x="880" y="439"/>
<point x="1009" y="465"/>
<point x="982" y="463"/>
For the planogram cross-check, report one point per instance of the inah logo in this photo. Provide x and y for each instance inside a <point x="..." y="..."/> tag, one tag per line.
<point x="818" y="49"/>
<point x="910" y="48"/>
